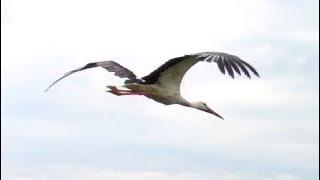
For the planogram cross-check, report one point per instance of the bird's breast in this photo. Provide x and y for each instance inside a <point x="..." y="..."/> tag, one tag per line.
<point x="155" y="92"/>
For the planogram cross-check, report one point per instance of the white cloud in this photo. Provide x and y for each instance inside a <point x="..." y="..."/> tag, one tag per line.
<point x="60" y="172"/>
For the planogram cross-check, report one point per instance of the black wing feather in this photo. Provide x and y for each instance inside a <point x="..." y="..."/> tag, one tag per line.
<point x="250" y="67"/>
<point x="220" y="64"/>
<point x="229" y="62"/>
<point x="242" y="67"/>
<point x="228" y="67"/>
<point x="119" y="70"/>
<point x="234" y="66"/>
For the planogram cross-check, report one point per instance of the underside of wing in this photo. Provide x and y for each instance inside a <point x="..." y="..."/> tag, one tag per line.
<point x="175" y="64"/>
<point x="171" y="73"/>
<point x="110" y="66"/>
<point x="173" y="68"/>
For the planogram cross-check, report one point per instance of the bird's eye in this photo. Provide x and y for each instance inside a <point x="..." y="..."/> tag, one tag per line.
<point x="205" y="104"/>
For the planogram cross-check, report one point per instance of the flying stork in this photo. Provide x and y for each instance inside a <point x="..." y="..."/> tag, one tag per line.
<point x="163" y="84"/>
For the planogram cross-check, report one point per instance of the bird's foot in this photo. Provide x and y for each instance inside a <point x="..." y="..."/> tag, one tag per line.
<point x="114" y="90"/>
<point x="119" y="92"/>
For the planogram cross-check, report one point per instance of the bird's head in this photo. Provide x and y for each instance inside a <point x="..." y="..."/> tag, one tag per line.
<point x="203" y="107"/>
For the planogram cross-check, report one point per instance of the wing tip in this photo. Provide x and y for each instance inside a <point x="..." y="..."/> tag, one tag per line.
<point x="46" y="90"/>
<point x="235" y="62"/>
<point x="257" y="74"/>
<point x="232" y="76"/>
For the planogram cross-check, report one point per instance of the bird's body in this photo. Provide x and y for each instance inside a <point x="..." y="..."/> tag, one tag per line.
<point x="163" y="84"/>
<point x="155" y="92"/>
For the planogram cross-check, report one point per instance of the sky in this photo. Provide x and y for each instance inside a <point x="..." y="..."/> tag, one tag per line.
<point x="78" y="131"/>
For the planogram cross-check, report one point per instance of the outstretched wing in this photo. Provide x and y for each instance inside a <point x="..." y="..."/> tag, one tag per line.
<point x="111" y="66"/>
<point x="170" y="74"/>
<point x="227" y="61"/>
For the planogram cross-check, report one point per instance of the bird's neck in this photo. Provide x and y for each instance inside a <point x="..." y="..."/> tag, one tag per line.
<point x="190" y="104"/>
<point x="184" y="102"/>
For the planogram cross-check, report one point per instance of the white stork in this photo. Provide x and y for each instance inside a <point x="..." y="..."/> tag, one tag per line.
<point x="163" y="84"/>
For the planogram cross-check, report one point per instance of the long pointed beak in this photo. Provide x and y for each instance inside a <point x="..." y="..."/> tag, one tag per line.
<point x="214" y="113"/>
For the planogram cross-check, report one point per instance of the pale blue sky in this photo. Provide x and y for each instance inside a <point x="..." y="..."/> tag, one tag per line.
<point x="78" y="131"/>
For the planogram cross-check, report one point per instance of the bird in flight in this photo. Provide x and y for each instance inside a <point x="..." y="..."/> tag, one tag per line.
<point x="163" y="84"/>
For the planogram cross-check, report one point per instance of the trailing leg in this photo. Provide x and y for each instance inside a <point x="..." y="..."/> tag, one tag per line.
<point x="120" y="92"/>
